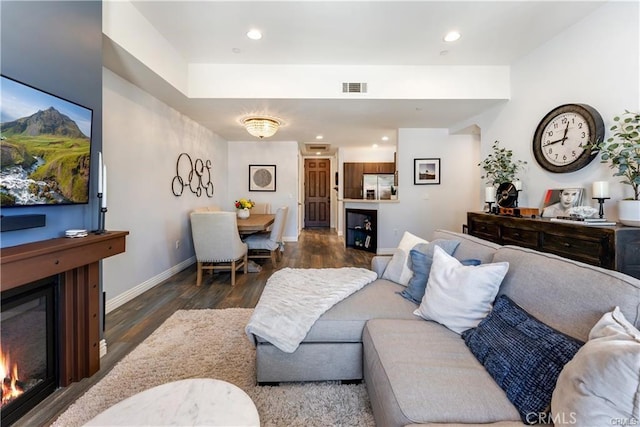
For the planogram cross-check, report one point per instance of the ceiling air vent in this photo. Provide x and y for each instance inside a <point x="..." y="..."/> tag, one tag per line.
<point x="354" y="88"/>
<point x="317" y="148"/>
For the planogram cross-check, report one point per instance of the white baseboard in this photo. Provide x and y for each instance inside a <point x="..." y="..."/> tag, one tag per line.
<point x="140" y="289"/>
<point x="127" y="296"/>
<point x="103" y="348"/>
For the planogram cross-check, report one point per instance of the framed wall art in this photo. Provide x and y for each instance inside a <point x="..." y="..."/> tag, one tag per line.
<point x="426" y="171"/>
<point x="262" y="177"/>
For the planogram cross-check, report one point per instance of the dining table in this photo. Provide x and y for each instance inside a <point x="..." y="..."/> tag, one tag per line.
<point x="255" y="223"/>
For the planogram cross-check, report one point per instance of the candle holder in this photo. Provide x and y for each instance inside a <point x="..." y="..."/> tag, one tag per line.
<point x="515" y="203"/>
<point x="490" y="210"/>
<point x="101" y="216"/>
<point x="601" y="202"/>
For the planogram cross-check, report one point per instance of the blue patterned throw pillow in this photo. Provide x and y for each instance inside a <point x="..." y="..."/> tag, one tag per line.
<point x="523" y="355"/>
<point x="421" y="259"/>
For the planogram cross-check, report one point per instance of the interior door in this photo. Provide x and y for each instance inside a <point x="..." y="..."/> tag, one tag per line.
<point x="317" y="193"/>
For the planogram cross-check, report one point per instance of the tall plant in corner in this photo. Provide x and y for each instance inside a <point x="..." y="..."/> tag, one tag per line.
<point x="499" y="166"/>
<point x="622" y="151"/>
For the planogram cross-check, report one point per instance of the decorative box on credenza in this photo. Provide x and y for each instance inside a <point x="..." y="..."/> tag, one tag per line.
<point x="612" y="247"/>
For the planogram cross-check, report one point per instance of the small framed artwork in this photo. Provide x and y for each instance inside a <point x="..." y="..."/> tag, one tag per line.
<point x="262" y="177"/>
<point x="557" y="202"/>
<point x="426" y="171"/>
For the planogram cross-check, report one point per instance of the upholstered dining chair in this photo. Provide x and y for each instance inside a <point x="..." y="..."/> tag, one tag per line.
<point x="261" y="208"/>
<point x="267" y="245"/>
<point x="217" y="243"/>
<point x="211" y="208"/>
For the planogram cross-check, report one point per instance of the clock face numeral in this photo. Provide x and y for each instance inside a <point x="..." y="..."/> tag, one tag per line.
<point x="565" y="138"/>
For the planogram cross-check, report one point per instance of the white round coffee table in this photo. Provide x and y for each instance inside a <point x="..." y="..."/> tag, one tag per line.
<point x="194" y="402"/>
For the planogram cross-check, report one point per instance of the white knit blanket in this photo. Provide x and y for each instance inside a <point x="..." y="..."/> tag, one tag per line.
<point x="294" y="298"/>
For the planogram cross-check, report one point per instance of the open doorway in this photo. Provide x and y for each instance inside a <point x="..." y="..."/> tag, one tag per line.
<point x="317" y="192"/>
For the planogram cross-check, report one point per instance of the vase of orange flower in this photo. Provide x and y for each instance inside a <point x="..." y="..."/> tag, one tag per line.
<point x="243" y="208"/>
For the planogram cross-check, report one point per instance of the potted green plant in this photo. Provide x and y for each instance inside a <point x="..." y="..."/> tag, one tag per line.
<point x="499" y="168"/>
<point x="622" y="152"/>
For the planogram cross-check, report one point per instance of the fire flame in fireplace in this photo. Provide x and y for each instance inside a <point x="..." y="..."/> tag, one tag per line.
<point x="10" y="387"/>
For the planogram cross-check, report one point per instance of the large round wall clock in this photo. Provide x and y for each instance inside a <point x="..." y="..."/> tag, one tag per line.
<point x="561" y="141"/>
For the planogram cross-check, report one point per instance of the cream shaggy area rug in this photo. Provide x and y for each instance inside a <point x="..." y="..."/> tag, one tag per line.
<point x="213" y="344"/>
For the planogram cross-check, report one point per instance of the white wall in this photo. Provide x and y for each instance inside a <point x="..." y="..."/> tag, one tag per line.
<point x="424" y="208"/>
<point x="142" y="139"/>
<point x="124" y="24"/>
<point x="263" y="81"/>
<point x="421" y="209"/>
<point x="595" y="62"/>
<point x="283" y="154"/>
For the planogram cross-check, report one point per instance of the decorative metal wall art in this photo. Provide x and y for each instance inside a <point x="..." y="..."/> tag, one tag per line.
<point x="194" y="175"/>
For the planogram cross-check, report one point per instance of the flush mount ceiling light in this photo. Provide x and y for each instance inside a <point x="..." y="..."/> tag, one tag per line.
<point x="261" y="126"/>
<point x="452" y="36"/>
<point x="254" y="34"/>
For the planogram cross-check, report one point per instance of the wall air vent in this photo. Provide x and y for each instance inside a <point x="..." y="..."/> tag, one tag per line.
<point x="317" y="148"/>
<point x="354" y="88"/>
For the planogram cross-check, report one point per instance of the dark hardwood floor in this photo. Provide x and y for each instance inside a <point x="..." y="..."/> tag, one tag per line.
<point x="130" y="324"/>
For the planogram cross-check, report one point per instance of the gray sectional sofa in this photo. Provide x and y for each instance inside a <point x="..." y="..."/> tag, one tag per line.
<point x="419" y="372"/>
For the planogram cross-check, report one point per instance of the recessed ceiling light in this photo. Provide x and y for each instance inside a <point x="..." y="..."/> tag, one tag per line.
<point x="452" y="36"/>
<point x="385" y="138"/>
<point x="254" y="34"/>
<point x="319" y="137"/>
<point x="318" y="153"/>
<point x="235" y="50"/>
<point x="375" y="145"/>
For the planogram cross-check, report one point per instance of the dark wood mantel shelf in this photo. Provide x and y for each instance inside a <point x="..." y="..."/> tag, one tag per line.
<point x="77" y="262"/>
<point x="32" y="261"/>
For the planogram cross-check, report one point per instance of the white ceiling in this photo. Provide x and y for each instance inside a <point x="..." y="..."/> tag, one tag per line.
<point x="345" y="33"/>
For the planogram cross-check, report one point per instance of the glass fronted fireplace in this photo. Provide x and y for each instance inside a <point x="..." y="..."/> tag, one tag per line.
<point x="28" y="346"/>
<point x="72" y="306"/>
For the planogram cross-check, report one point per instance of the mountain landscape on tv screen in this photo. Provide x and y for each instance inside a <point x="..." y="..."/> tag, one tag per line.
<point x="44" y="159"/>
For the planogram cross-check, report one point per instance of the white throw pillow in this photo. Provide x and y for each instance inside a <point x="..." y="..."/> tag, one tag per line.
<point x="460" y="296"/>
<point x="601" y="384"/>
<point x="398" y="270"/>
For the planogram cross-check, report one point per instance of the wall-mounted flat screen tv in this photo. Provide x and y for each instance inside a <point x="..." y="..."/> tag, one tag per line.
<point x="45" y="144"/>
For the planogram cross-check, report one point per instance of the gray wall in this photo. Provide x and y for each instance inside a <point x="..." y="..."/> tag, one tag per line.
<point x="56" y="46"/>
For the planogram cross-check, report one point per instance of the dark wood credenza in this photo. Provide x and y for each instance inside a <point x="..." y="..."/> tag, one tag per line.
<point x="76" y="261"/>
<point x="612" y="247"/>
